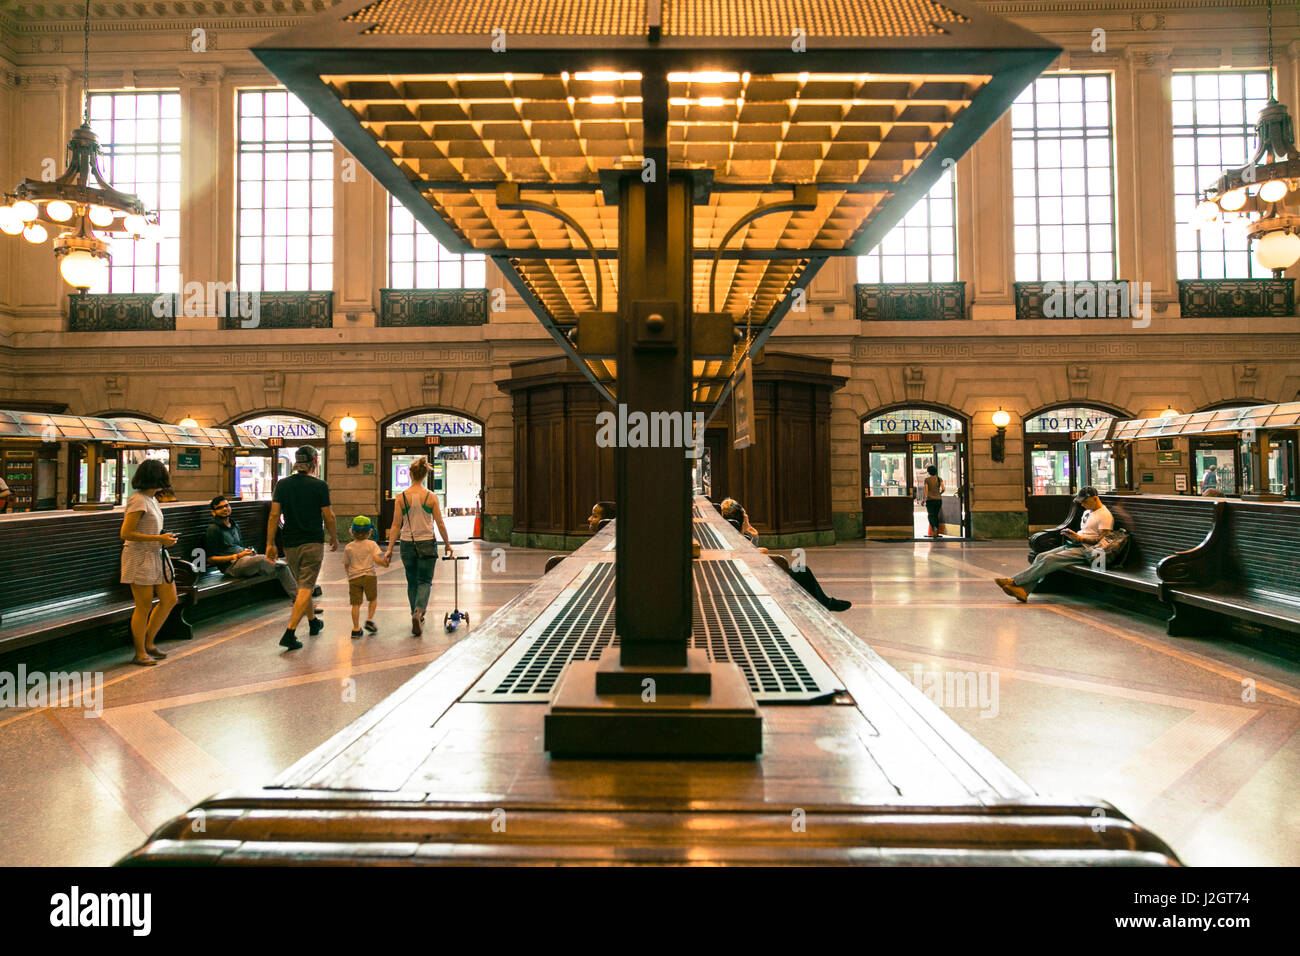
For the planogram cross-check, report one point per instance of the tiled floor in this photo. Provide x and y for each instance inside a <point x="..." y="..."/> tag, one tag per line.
<point x="1075" y="698"/>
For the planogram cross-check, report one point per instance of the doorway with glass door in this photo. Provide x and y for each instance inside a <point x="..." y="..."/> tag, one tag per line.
<point x="898" y="449"/>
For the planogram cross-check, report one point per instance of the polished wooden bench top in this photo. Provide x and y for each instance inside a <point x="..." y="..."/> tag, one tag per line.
<point x="888" y="774"/>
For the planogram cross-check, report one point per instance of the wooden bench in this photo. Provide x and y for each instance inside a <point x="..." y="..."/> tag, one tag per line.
<point x="62" y="597"/>
<point x="1206" y="559"/>
<point x="1168" y="541"/>
<point x="1256" y="573"/>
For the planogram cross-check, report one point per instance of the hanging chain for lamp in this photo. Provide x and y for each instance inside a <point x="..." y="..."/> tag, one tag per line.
<point x="81" y="207"/>
<point x="1265" y="191"/>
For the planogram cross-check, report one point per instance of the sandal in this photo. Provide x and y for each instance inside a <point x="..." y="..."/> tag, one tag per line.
<point x="147" y="662"/>
<point x="155" y="653"/>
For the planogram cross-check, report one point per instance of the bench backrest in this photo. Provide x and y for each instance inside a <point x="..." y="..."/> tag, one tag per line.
<point x="48" y="559"/>
<point x="1159" y="527"/>
<point x="1260" y="549"/>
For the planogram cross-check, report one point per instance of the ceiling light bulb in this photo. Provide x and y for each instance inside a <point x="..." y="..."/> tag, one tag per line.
<point x="81" y="270"/>
<point x="1277" y="250"/>
<point x="1207" y="210"/>
<point x="25" y="210"/>
<point x="1234" y="199"/>
<point x="101" y="215"/>
<point x="1273" y="190"/>
<point x="10" y="224"/>
<point x="35" y="234"/>
<point x="134" y="224"/>
<point x="58" y="210"/>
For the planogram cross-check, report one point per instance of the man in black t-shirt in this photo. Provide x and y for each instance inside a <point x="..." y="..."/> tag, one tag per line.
<point x="304" y="501"/>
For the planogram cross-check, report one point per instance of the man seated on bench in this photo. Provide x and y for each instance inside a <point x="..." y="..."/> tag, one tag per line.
<point x="225" y="549"/>
<point x="1096" y="519"/>
<point x="736" y="516"/>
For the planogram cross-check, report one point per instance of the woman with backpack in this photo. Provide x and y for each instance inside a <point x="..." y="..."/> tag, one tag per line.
<point x="415" y="512"/>
<point x="934" y="502"/>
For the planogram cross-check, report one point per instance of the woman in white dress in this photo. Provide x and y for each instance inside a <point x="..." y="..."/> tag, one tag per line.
<point x="143" y="566"/>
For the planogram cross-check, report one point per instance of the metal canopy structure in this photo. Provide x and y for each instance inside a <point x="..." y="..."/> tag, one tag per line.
<point x="868" y="101"/>
<point x="1222" y="421"/>
<point x="658" y="179"/>
<point x="121" y="431"/>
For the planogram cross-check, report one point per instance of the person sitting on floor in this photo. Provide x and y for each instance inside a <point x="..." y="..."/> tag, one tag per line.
<point x="1096" y="519"/>
<point x="735" y="515"/>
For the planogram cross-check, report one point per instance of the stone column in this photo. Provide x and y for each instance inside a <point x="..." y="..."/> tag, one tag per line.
<point x="985" y="255"/>
<point x="205" y="142"/>
<point x="8" y="179"/>
<point x="45" y="100"/>
<point x="360" y="241"/>
<point x="1144" y="139"/>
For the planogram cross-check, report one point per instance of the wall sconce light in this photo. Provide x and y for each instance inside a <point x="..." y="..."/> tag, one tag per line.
<point x="348" y="425"/>
<point x="188" y="422"/>
<point x="998" y="443"/>
<point x="1170" y="412"/>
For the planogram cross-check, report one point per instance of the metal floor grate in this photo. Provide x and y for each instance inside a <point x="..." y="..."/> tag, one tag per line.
<point x="708" y="537"/>
<point x="733" y="620"/>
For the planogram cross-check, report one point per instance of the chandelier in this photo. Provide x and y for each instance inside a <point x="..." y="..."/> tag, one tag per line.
<point x="82" y="216"/>
<point x="1265" y="193"/>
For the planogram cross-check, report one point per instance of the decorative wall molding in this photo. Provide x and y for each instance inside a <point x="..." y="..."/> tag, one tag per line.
<point x="202" y="75"/>
<point x="1078" y="378"/>
<point x="1247" y="378"/>
<point x="431" y="387"/>
<point x="273" y="389"/>
<point x="911" y="301"/>
<point x="914" y="383"/>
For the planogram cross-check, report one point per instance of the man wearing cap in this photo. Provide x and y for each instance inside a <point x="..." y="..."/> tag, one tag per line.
<point x="1096" y="519"/>
<point x="304" y="500"/>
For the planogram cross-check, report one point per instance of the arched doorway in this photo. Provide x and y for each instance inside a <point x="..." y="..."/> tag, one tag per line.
<point x="256" y="471"/>
<point x="453" y="443"/>
<point x="1051" y="470"/>
<point x="898" y="444"/>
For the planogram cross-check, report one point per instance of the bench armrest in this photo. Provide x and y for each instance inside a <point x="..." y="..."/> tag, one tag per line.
<point x="1051" y="538"/>
<point x="1198" y="565"/>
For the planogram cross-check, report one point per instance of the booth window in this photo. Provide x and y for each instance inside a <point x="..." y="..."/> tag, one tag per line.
<point x="1214" y="128"/>
<point x="140" y="143"/>
<point x="923" y="246"/>
<point x="416" y="260"/>
<point x="1063" y="174"/>
<point x="285" y="219"/>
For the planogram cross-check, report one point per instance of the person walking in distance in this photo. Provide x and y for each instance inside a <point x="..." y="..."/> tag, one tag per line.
<point x="415" y="512"/>
<point x="304" y="500"/>
<point x="934" y="502"/>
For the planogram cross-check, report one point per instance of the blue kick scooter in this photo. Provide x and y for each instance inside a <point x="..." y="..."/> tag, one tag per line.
<point x="457" y="617"/>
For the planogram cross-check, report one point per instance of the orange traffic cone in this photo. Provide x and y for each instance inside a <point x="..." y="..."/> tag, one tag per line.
<point x="478" y="525"/>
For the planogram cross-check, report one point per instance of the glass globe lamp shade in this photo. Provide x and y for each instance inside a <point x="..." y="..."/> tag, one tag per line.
<point x="101" y="216"/>
<point x="58" y="210"/>
<point x="1001" y="419"/>
<point x="188" y="423"/>
<point x="1207" y="210"/>
<point x="1170" y="412"/>
<point x="35" y="234"/>
<point x="1277" y="250"/>
<point x="348" y="425"/>
<point x="1273" y="190"/>
<point x="134" y="224"/>
<point x="26" y="211"/>
<point x="82" y="270"/>
<point x="1233" y="200"/>
<point x="10" y="224"/>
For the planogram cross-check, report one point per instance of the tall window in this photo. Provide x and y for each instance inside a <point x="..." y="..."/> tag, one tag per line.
<point x="923" y="246"/>
<point x="286" y="195"/>
<point x="1214" y="128"/>
<point x="1063" y="179"/>
<point x="140" y="138"/>
<point x="416" y="260"/>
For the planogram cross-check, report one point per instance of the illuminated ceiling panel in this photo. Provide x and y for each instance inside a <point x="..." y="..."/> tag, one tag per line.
<point x="869" y="102"/>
